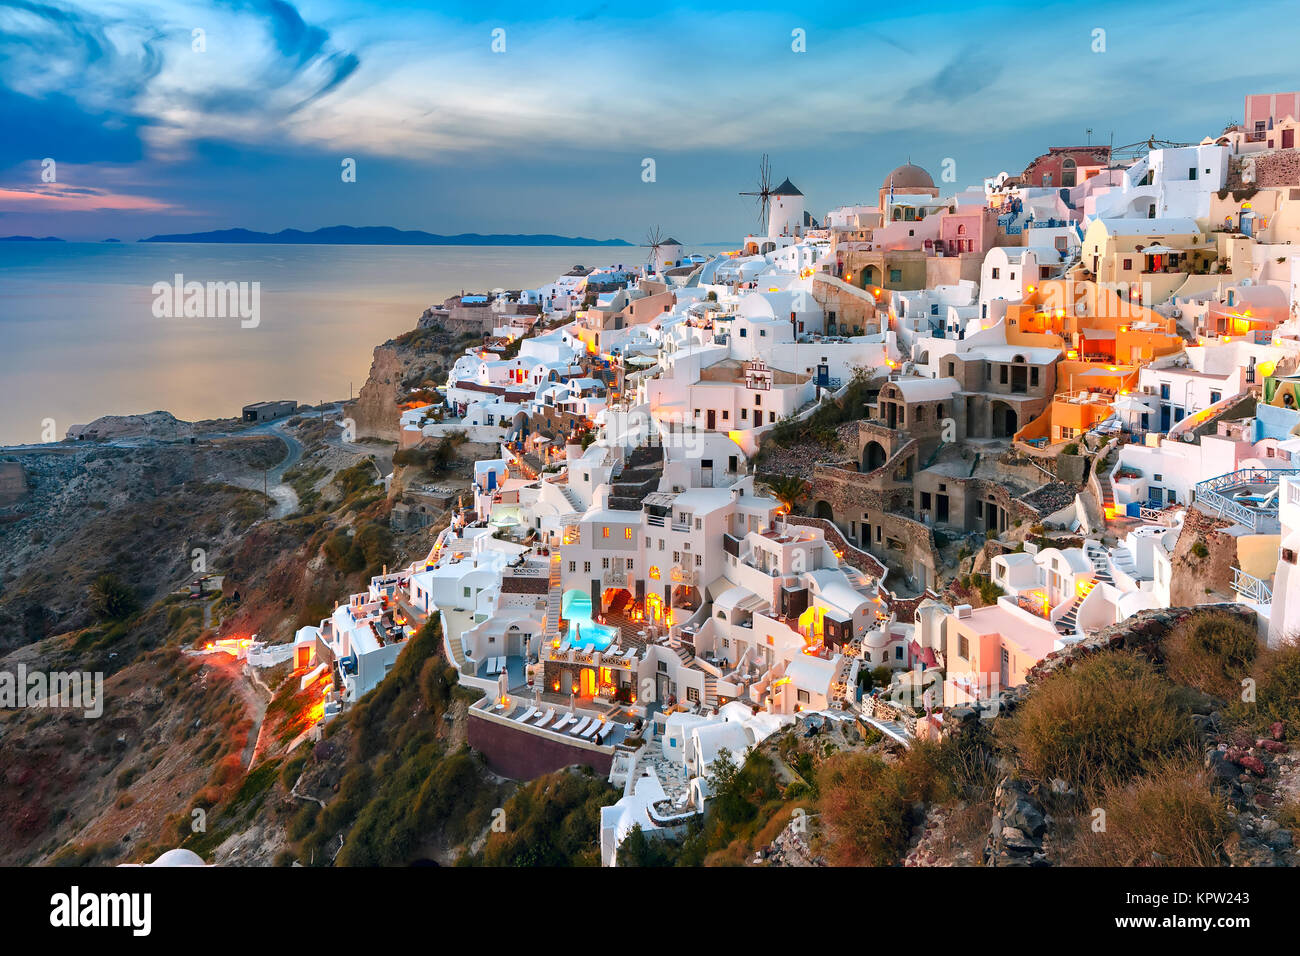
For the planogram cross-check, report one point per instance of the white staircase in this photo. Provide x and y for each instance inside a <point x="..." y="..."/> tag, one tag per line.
<point x="553" y="599"/>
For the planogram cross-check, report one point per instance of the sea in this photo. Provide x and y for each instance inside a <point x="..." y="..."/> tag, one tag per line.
<point x="84" y="332"/>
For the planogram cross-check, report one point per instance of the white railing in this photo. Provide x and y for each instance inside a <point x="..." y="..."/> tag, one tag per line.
<point x="1253" y="589"/>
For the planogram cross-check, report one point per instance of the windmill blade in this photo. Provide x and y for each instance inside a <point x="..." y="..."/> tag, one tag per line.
<point x="764" y="190"/>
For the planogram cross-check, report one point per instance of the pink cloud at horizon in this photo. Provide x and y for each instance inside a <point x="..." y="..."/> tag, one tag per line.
<point x="79" y="199"/>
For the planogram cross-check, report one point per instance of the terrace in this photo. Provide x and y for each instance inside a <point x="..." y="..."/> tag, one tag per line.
<point x="1248" y="497"/>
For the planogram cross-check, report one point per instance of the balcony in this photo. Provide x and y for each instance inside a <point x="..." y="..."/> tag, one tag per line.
<point x="686" y="576"/>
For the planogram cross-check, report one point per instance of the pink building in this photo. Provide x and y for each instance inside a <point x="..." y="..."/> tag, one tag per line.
<point x="1266" y="110"/>
<point x="968" y="230"/>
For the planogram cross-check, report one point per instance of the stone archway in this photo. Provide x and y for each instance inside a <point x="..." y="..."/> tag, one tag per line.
<point x="873" y="456"/>
<point x="823" y="510"/>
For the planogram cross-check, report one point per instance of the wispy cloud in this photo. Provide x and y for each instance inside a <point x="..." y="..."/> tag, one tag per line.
<point x="60" y="198"/>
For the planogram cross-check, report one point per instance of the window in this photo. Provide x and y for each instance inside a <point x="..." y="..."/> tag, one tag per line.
<point x="627" y="533"/>
<point x="573" y="567"/>
<point x="699" y="523"/>
<point x="803" y="696"/>
<point x="586" y="567"/>
<point x="762" y="333"/>
<point x="963" y="647"/>
<point x="997" y="273"/>
<point x="699" y="560"/>
<point x="744" y="332"/>
<point x="898" y="652"/>
<point x="604" y="532"/>
<point x="466" y="592"/>
<point x="1128" y="264"/>
<point x="604" y="563"/>
<point x="744" y="414"/>
<point x="895" y="275"/>
<point x="693" y="695"/>
<point x="1215" y="397"/>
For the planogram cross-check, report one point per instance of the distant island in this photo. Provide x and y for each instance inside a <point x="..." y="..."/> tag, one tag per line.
<point x="380" y="236"/>
<point x="30" y="239"/>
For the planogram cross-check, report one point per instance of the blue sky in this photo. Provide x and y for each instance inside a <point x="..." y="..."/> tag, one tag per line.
<point x="150" y="135"/>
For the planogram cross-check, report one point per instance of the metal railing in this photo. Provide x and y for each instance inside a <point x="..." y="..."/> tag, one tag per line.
<point x="1210" y="493"/>
<point x="1251" y="588"/>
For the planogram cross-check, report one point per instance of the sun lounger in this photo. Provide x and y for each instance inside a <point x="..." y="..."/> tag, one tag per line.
<point x="606" y="729"/>
<point x="529" y="714"/>
<point x="546" y="717"/>
<point x="563" y="722"/>
<point x="580" y="726"/>
<point x="591" y="731"/>
<point x="564" y="646"/>
<point x="614" y="651"/>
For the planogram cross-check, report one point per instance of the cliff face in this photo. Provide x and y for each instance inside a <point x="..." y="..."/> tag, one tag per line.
<point x="420" y="358"/>
<point x="375" y="409"/>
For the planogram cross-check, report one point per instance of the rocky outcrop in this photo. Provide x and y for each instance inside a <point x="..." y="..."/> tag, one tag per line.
<point x="376" y="410"/>
<point x="1018" y="828"/>
<point x="791" y="846"/>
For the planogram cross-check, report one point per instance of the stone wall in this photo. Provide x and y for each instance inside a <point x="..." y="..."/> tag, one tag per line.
<point x="522" y="755"/>
<point x="13" y="483"/>
<point x="1278" y="169"/>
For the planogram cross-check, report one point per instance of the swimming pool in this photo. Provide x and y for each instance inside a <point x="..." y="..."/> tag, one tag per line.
<point x="583" y="631"/>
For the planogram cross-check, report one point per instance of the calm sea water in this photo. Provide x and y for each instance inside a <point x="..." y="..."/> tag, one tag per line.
<point x="78" y="336"/>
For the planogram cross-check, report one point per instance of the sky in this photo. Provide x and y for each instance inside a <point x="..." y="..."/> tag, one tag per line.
<point x="165" y="117"/>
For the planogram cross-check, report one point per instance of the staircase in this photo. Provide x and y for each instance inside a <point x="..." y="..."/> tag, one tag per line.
<point x="1067" y="625"/>
<point x="1107" y="494"/>
<point x="710" y="691"/>
<point x="553" y="599"/>
<point x="641" y="472"/>
<point x="571" y="497"/>
<point x="1100" y="559"/>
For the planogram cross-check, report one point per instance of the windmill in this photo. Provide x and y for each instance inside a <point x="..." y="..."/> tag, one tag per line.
<point x="654" y="239"/>
<point x="764" y="190"/>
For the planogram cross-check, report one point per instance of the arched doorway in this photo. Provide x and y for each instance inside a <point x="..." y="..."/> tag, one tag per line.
<point x="873" y="456"/>
<point x="1005" y="420"/>
<point x="870" y="276"/>
<point x="823" y="510"/>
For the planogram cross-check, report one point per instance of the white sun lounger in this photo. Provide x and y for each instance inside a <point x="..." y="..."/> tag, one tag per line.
<point x="606" y="729"/>
<point x="591" y="731"/>
<point x="564" y="645"/>
<point x="563" y="722"/>
<point x="546" y="717"/>
<point x="529" y="714"/>
<point x="614" y="651"/>
<point x="580" y="726"/>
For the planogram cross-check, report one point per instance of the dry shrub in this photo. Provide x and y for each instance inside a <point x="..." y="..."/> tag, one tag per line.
<point x="1277" y="673"/>
<point x="1170" y="817"/>
<point x="1107" y="719"/>
<point x="866" y="815"/>
<point x="1211" y="652"/>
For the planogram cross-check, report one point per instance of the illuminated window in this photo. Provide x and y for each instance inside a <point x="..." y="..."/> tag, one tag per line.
<point x="604" y="532"/>
<point x="627" y="533"/>
<point x="654" y="572"/>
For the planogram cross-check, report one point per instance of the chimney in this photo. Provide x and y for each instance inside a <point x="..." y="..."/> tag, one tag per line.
<point x="963" y="611"/>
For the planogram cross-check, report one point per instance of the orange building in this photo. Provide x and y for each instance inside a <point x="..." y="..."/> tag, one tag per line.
<point x="1105" y="338"/>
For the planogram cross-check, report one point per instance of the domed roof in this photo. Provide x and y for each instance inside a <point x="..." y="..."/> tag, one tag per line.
<point x="179" y="857"/>
<point x="908" y="176"/>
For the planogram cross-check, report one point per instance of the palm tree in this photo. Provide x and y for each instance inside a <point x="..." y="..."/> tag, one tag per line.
<point x="788" y="489"/>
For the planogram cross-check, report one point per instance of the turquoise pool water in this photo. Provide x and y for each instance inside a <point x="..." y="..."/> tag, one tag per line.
<point x="583" y="631"/>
